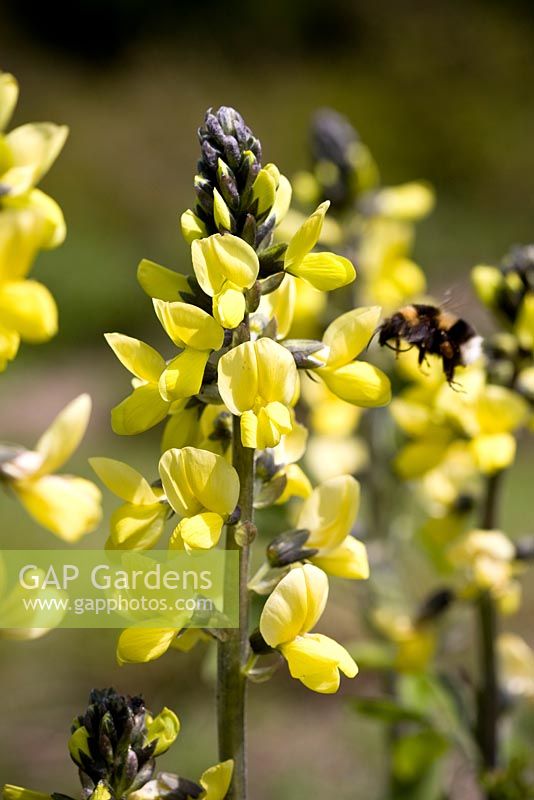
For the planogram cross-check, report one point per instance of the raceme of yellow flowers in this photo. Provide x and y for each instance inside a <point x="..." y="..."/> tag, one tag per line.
<point x="29" y="221"/>
<point x="228" y="323"/>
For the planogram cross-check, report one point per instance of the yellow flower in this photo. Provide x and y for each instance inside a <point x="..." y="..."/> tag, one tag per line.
<point x="139" y="522"/>
<point x="66" y="505"/>
<point x="288" y="616"/>
<point x="325" y="271"/>
<point x="415" y="645"/>
<point x="225" y="266"/>
<point x="517" y="665"/>
<point x="486" y="559"/>
<point x="27" y="152"/>
<point x="330" y="514"/>
<point x="489" y="415"/>
<point x="216" y="780"/>
<point x="356" y="382"/>
<point x="258" y="381"/>
<point x="29" y="221"/>
<point x="203" y="489"/>
<point x="197" y="334"/>
<point x="159" y="384"/>
<point x="390" y="276"/>
<point x="141" y="645"/>
<point x="160" y="282"/>
<point x="145" y="407"/>
<point x="408" y="201"/>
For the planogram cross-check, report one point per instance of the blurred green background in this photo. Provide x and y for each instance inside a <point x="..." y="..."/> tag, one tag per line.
<point x="441" y="91"/>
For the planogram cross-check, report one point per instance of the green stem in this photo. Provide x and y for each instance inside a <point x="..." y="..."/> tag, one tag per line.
<point x="233" y="652"/>
<point x="488" y="692"/>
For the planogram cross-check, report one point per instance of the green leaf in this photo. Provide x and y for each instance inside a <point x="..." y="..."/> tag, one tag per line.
<point x="414" y="753"/>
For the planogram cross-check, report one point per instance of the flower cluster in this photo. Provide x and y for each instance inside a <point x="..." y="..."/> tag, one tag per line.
<point x="30" y="221"/>
<point x="115" y="744"/>
<point x="232" y="387"/>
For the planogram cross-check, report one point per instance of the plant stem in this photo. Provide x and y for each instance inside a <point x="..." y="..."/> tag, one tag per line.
<point x="488" y="692"/>
<point x="233" y="652"/>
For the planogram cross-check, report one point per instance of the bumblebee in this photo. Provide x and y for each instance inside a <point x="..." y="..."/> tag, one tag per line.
<point x="432" y="331"/>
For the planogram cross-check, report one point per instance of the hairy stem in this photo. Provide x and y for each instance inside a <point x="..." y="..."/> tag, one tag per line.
<point x="233" y="652"/>
<point x="488" y="691"/>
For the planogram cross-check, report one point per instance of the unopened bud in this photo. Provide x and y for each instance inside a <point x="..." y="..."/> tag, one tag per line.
<point x="258" y="645"/>
<point x="435" y="605"/>
<point x="289" y="548"/>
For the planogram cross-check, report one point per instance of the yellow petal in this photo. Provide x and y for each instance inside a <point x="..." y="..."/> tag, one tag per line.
<point x="218" y="258"/>
<point x="282" y="200"/>
<point x="137" y="527"/>
<point x="200" y="532"/>
<point x="63" y="436"/>
<point x="293" y="445"/>
<point x="221" y="212"/>
<point x="189" y="326"/>
<point x="419" y="457"/>
<point x="359" y="383"/>
<point x="29" y="308"/>
<point x="297" y="483"/>
<point x="143" y="409"/>
<point x="67" y="506"/>
<point x="249" y="429"/>
<point x="295" y="605"/>
<point x="274" y="420"/>
<point x="192" y="228"/>
<point x="324" y="271"/>
<point x="524" y="326"/>
<point x="11" y="792"/>
<point x="52" y="221"/>
<point x="163" y="729"/>
<point x="277" y="373"/>
<point x="181" y="428"/>
<point x="348" y="560"/>
<point x="305" y="238"/>
<point x="229" y="307"/>
<point x="409" y="201"/>
<point x="330" y="512"/>
<point x="123" y="480"/>
<point x="183" y="375"/>
<point x="196" y="480"/>
<point x="487" y="282"/>
<point x="216" y="780"/>
<point x="9" y="92"/>
<point x="37" y="145"/>
<point x="493" y="452"/>
<point x="22" y="232"/>
<point x="500" y="410"/>
<point x="264" y="191"/>
<point x="160" y="282"/>
<point x="238" y="378"/>
<point x="280" y="305"/>
<point x="9" y="345"/>
<point x="349" y="334"/>
<point x="139" y="645"/>
<point x="139" y="358"/>
<point x="316" y="660"/>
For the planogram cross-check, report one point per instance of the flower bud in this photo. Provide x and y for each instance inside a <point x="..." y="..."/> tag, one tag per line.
<point x="115" y="741"/>
<point x="289" y="548"/>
